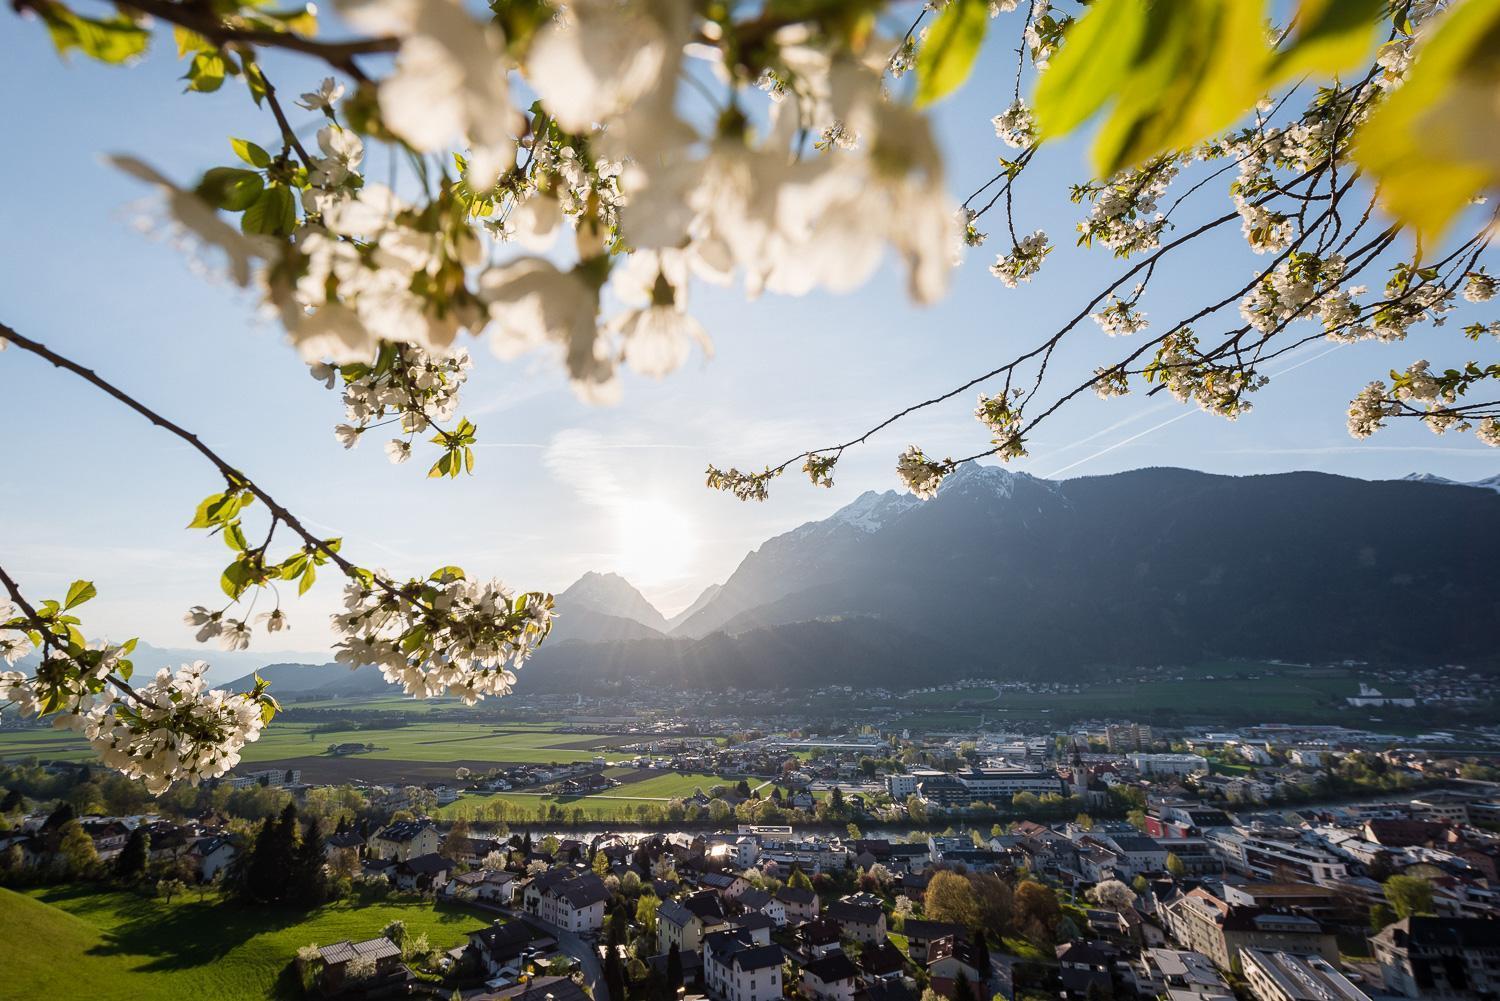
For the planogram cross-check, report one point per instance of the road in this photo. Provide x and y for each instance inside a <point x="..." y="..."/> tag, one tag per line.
<point x="568" y="942"/>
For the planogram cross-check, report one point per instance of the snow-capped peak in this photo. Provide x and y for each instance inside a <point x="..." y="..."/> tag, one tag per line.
<point x="871" y="511"/>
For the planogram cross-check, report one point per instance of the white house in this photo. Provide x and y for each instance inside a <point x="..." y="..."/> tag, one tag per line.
<point x="736" y="968"/>
<point x="830" y="978"/>
<point x="571" y="902"/>
<point x="212" y="854"/>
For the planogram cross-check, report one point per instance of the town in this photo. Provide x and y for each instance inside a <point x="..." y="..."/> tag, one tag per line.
<point x="1265" y="861"/>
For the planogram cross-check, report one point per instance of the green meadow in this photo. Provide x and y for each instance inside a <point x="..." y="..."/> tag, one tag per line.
<point x="83" y="944"/>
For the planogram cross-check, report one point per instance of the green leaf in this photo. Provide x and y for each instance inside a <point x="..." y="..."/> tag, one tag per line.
<point x="947" y="56"/>
<point x="468" y="460"/>
<point x="236" y="578"/>
<point x="1099" y="51"/>
<point x="113" y="40"/>
<point x="308" y="576"/>
<point x="274" y="211"/>
<point x="189" y="41"/>
<point x="79" y="592"/>
<point x="230" y="188"/>
<point x="217" y="509"/>
<point x="234" y="537"/>
<point x="252" y="154"/>
<point x="1190" y="68"/>
<point x="206" y="72"/>
<point x="1332" y="36"/>
<point x="1431" y="144"/>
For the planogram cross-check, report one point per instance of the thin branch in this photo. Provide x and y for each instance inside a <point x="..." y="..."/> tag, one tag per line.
<point x="231" y="475"/>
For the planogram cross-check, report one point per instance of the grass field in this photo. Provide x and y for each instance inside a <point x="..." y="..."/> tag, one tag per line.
<point x="638" y="787"/>
<point x="443" y="743"/>
<point x="72" y="943"/>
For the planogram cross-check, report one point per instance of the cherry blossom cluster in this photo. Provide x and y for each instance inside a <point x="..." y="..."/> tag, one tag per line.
<point x="1016" y="126"/>
<point x="1123" y="215"/>
<point x="1003" y="419"/>
<point x="1286" y="293"/>
<point x="1188" y="374"/>
<point x="445" y="635"/>
<point x="1024" y="260"/>
<point x="922" y="475"/>
<point x="174" y="728"/>
<point x="1120" y="317"/>
<point x="404" y="386"/>
<point x="743" y="486"/>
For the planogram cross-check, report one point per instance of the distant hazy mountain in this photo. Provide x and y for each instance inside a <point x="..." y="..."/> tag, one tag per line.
<point x="709" y="593"/>
<point x="1003" y="573"/>
<point x="1491" y="483"/>
<point x="605" y="607"/>
<point x="149" y="659"/>
<point x="320" y="679"/>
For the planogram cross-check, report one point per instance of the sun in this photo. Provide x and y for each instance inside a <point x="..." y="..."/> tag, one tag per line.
<point x="655" y="540"/>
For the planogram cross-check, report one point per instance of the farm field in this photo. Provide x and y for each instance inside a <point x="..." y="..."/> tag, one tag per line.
<point x="83" y="944"/>
<point x="639" y="787"/>
<point x="430" y="750"/>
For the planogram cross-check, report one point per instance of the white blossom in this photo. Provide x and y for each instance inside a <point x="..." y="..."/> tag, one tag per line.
<point x="324" y="98"/>
<point x="1024" y="260"/>
<point x="1120" y="318"/>
<point x="1015" y="125"/>
<point x="921" y="475"/>
<point x="1480" y="286"/>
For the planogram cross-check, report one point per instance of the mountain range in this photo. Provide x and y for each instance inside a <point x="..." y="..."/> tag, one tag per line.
<point x="1003" y="574"/>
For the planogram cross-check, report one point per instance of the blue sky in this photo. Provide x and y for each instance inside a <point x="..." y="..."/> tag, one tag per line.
<point x="560" y="488"/>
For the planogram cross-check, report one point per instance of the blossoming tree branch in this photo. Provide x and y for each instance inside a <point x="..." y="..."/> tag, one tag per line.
<point x="650" y="145"/>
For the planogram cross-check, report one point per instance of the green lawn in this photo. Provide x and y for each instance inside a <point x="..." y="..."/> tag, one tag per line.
<point x="500" y="743"/>
<point x="68" y="943"/>
<point x="618" y="803"/>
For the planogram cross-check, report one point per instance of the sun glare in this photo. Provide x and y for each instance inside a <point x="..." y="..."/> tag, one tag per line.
<point x="656" y="541"/>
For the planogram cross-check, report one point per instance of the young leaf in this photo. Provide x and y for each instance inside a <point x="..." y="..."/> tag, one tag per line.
<point x="274" y="211"/>
<point x="1431" y="144"/>
<point x="1332" y="36"/>
<point x="252" y="154"/>
<point x="947" y="56"/>
<point x="79" y="592"/>
<point x="1099" y="51"/>
<point x="230" y="188"/>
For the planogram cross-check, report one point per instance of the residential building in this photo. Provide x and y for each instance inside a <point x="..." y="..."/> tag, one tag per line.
<point x="1280" y="976"/>
<point x="572" y="902"/>
<point x="948" y="959"/>
<point x="860" y="922"/>
<point x="682" y="926"/>
<point x="830" y="978"/>
<point x="1440" y="958"/>
<point x="1275" y="856"/>
<point x="423" y="873"/>
<point x="1127" y="737"/>
<point x="336" y="959"/>
<point x="761" y="902"/>
<point x="737" y="968"/>
<point x="1179" y="765"/>
<point x="1203" y="923"/>
<point x="1180" y="974"/>
<point x="405" y="839"/>
<point x="798" y="904"/>
<point x="212" y="855"/>
<point x="921" y="934"/>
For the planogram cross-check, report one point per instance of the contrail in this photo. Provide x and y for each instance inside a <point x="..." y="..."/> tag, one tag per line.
<point x="1173" y="420"/>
